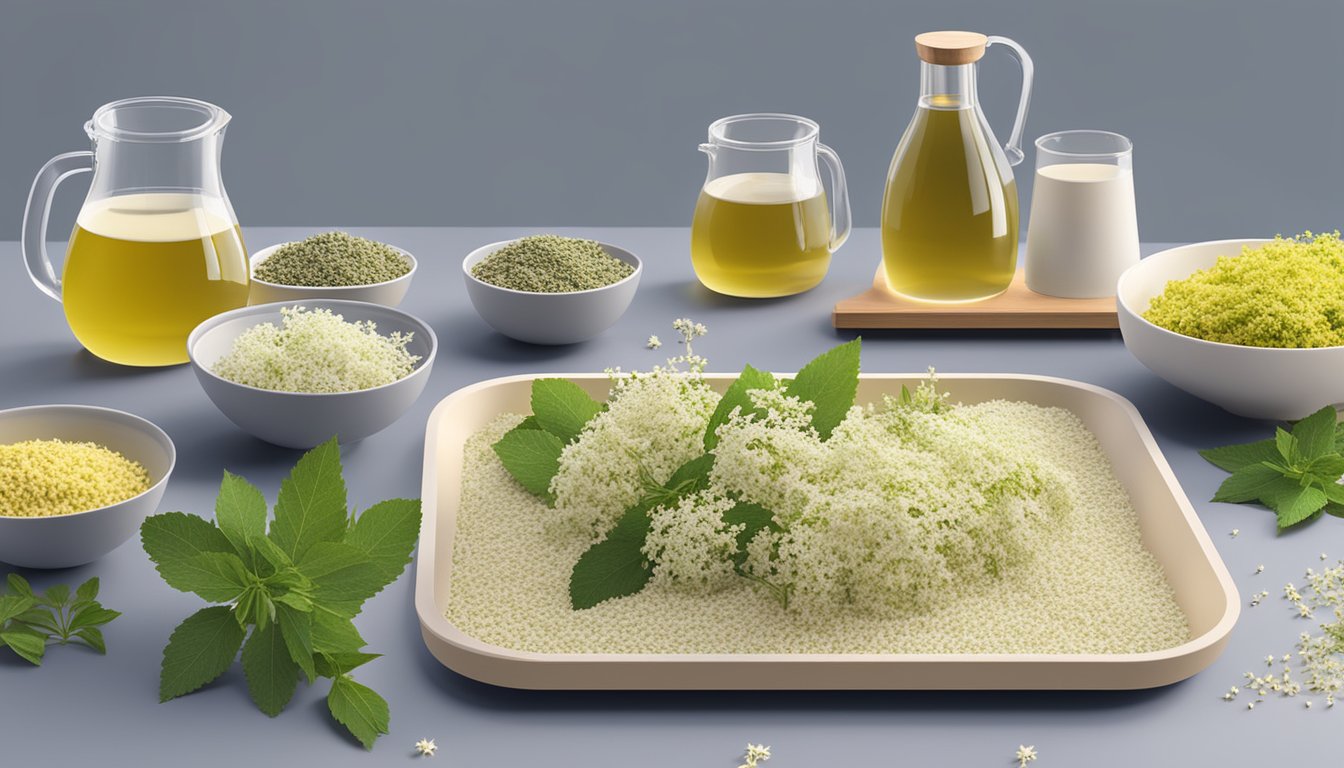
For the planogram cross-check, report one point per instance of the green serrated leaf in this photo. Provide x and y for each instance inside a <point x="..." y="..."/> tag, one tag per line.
<point x="1251" y="484"/>
<point x="93" y="637"/>
<point x="736" y="397"/>
<point x="12" y="606"/>
<point x="174" y="537"/>
<point x="29" y="644"/>
<point x="296" y="629"/>
<point x="218" y="577"/>
<point x="562" y="407"/>
<point x="200" y="650"/>
<point x="1286" y="445"/>
<point x="272" y="676"/>
<point x="1231" y="458"/>
<point x="20" y="586"/>
<point x="1334" y="492"/>
<point x="40" y="617"/>
<point x="1315" y="435"/>
<point x="93" y="615"/>
<point x="88" y="591"/>
<point x="616" y="566"/>
<point x="830" y="383"/>
<point x="270" y="552"/>
<point x="296" y="600"/>
<point x="1334" y="508"/>
<point x="240" y="513"/>
<point x="56" y="596"/>
<point x="311" y="507"/>
<point x="362" y="712"/>
<point x="532" y="456"/>
<point x="334" y="634"/>
<point x="337" y="664"/>
<point x="386" y="533"/>
<point x="1326" y="469"/>
<point x="1296" y="505"/>
<point x="691" y="477"/>
<point x="340" y="573"/>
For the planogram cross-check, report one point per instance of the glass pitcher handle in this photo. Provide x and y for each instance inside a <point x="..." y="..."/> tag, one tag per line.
<point x="840" y="219"/>
<point x="1014" y="146"/>
<point x="38" y="210"/>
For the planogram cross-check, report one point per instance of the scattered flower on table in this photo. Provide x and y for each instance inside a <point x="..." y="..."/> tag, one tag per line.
<point x="1236" y="532"/>
<point x="1259" y="569"/>
<point x="426" y="747"/>
<point x="654" y="342"/>
<point x="1024" y="755"/>
<point x="756" y="753"/>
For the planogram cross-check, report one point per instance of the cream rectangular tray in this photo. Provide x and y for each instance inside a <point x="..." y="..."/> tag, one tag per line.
<point x="1170" y="529"/>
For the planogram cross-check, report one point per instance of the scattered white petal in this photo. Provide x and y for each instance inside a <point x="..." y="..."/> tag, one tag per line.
<point x="1025" y="754"/>
<point x="654" y="342"/>
<point x="1236" y="532"/>
<point x="1259" y="569"/>
<point x="426" y="747"/>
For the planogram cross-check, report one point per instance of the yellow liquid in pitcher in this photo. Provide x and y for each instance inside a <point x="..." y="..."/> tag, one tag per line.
<point x="759" y="235"/>
<point x="143" y="270"/>
<point x="949" y="221"/>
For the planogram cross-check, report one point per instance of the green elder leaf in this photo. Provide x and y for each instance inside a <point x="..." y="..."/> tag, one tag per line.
<point x="830" y="383"/>
<point x="20" y="586"/>
<point x="56" y="596"/>
<point x="532" y="456"/>
<point x="91" y="615"/>
<point x="93" y="637"/>
<point x="753" y="518"/>
<point x="219" y="577"/>
<point x="240" y="513"/>
<point x="1252" y="483"/>
<point x="691" y="477"/>
<point x="272" y="675"/>
<point x="88" y="591"/>
<point x="736" y="397"/>
<point x="340" y="573"/>
<point x="562" y="407"/>
<point x="1287" y="445"/>
<point x="311" y="506"/>
<point x="29" y="644"/>
<point x="615" y="566"/>
<point x="12" y="606"/>
<point x="337" y="664"/>
<point x="296" y="629"/>
<point x="386" y="533"/>
<point x="1327" y="468"/>
<point x="1334" y="492"/>
<point x="173" y="538"/>
<point x="357" y="707"/>
<point x="1295" y="505"/>
<point x="200" y="650"/>
<point x="333" y="634"/>
<point x="1231" y="458"/>
<point x="1315" y="435"/>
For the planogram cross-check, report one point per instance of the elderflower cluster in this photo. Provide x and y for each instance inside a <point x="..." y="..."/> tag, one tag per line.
<point x="691" y="546"/>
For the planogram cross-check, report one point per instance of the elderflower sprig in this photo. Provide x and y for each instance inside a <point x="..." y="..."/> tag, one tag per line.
<point x="756" y="753"/>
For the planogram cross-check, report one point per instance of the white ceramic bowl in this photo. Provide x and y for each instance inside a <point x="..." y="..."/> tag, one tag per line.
<point x="64" y="541"/>
<point x="1256" y="382"/>
<point x="303" y="420"/>
<point x="551" y="318"/>
<point x="388" y="293"/>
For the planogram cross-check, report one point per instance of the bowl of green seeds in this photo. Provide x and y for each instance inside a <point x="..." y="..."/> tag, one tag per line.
<point x="548" y="289"/>
<point x="331" y="265"/>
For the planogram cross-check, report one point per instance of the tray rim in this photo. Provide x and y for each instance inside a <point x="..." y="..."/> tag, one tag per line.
<point x="435" y="625"/>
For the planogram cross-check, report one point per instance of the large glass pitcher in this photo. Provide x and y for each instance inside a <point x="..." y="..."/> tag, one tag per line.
<point x="949" y="215"/>
<point x="762" y="224"/>
<point x="156" y="248"/>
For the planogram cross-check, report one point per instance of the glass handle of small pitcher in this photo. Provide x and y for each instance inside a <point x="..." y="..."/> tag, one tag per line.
<point x="840" y="219"/>
<point x="38" y="210"/>
<point x="1014" y="146"/>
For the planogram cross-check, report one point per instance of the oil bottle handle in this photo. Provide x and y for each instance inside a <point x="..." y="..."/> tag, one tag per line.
<point x="840" y="219"/>
<point x="38" y="210"/>
<point x="1014" y="146"/>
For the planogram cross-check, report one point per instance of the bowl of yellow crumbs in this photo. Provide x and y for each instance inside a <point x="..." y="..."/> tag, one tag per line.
<point x="1253" y="326"/>
<point x="76" y="481"/>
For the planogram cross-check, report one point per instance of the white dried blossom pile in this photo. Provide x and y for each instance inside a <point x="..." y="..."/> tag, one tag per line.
<point x="316" y="351"/>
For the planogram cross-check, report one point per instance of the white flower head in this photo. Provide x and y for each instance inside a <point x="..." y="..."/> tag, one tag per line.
<point x="1025" y="754"/>
<point x="426" y="747"/>
<point x="756" y="753"/>
<point x="654" y="342"/>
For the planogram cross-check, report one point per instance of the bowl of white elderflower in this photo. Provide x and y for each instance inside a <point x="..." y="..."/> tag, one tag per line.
<point x="294" y="374"/>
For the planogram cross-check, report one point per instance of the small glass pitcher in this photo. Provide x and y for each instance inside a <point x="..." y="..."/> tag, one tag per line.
<point x="762" y="225"/>
<point x="156" y="248"/>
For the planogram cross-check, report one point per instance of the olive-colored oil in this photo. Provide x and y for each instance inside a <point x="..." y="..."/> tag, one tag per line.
<point x="949" y="220"/>
<point x="143" y="270"/>
<point x="760" y="235"/>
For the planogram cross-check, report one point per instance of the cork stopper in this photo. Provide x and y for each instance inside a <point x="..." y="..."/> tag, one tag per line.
<point x="951" y="48"/>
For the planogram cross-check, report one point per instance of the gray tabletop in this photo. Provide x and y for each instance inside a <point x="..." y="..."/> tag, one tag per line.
<point x="80" y="706"/>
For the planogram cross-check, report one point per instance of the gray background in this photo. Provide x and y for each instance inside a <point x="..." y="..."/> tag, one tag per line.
<point x="587" y="112"/>
<point x="80" y="707"/>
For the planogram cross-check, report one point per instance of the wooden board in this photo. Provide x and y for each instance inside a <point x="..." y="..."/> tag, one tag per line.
<point x="1017" y="307"/>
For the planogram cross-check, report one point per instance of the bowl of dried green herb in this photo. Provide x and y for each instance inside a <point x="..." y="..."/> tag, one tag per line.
<point x="331" y="265"/>
<point x="548" y="289"/>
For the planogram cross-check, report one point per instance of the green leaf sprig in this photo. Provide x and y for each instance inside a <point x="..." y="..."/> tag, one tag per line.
<point x="616" y="566"/>
<point x="288" y="595"/>
<point x="1296" y="473"/>
<point x="30" y="620"/>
